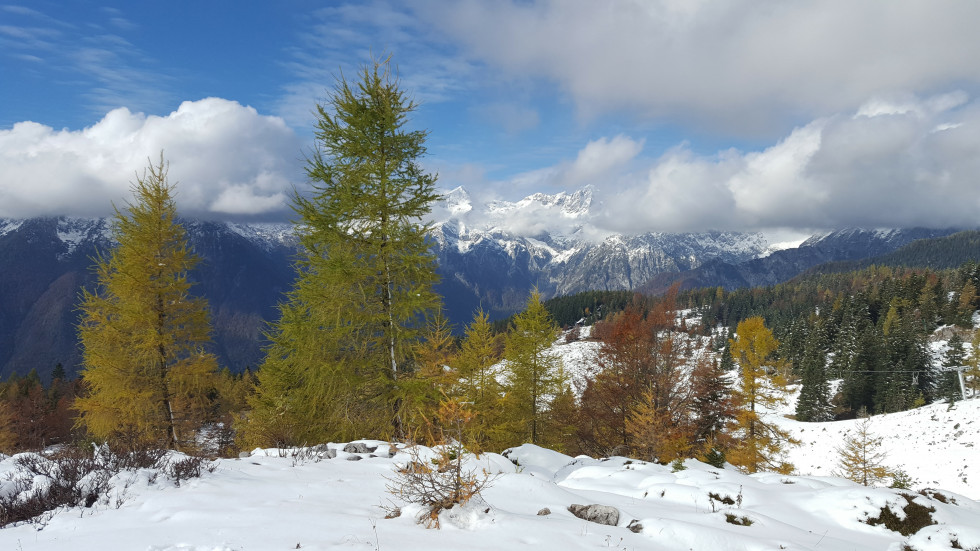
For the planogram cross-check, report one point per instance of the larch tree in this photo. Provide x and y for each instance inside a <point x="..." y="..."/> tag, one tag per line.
<point x="347" y="331"/>
<point x="534" y="376"/>
<point x="628" y="343"/>
<point x="143" y="334"/>
<point x="479" y="353"/>
<point x="761" y="445"/>
<point x="861" y="457"/>
<point x="971" y="374"/>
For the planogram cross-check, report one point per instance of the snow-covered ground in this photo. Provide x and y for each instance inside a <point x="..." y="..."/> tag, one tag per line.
<point x="278" y="499"/>
<point x="937" y="446"/>
<point x="270" y="500"/>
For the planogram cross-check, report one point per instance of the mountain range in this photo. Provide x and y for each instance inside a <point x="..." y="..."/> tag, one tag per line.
<point x="490" y="256"/>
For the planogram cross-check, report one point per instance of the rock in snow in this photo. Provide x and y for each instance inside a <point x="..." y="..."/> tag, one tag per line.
<point x="599" y="514"/>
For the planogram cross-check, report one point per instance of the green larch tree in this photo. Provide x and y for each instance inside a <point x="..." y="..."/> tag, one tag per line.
<point x="534" y="376"/>
<point x="365" y="272"/>
<point x="479" y="352"/>
<point x="142" y="332"/>
<point x="972" y="373"/>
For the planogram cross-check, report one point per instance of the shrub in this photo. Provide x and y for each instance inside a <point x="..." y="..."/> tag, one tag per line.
<point x="916" y="518"/>
<point x="71" y="477"/>
<point x="440" y="483"/>
<point x="737" y="520"/>
<point x="41" y="484"/>
<point x="187" y="467"/>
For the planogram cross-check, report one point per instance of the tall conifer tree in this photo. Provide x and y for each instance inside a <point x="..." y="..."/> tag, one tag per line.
<point x="143" y="334"/>
<point x="478" y="354"/>
<point x="814" y="401"/>
<point x="348" y="328"/>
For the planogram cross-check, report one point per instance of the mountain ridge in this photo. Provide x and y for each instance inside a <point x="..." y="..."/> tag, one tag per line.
<point x="247" y="268"/>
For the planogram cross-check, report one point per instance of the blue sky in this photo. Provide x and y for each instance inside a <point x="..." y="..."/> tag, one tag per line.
<point x="683" y="115"/>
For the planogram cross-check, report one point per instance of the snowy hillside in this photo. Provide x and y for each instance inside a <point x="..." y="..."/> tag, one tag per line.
<point x="276" y="499"/>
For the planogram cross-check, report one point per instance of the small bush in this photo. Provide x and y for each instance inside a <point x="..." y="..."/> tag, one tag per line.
<point x="737" y="520"/>
<point x="715" y="458"/>
<point x="440" y="483"/>
<point x="41" y="484"/>
<point x="716" y="497"/>
<point x="916" y="518"/>
<point x="437" y="486"/>
<point x="901" y="480"/>
<point x="188" y="467"/>
<point x="938" y="496"/>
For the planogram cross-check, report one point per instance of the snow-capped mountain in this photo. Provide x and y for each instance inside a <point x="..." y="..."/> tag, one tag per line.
<point x="491" y="255"/>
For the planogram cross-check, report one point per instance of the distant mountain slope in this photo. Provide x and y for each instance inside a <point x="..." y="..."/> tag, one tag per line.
<point x="940" y="253"/>
<point x="843" y="245"/>
<point x="490" y="256"/>
<point x="47" y="261"/>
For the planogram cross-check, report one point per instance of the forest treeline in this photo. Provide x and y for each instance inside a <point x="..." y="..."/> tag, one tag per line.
<point x="869" y="328"/>
<point x="361" y="348"/>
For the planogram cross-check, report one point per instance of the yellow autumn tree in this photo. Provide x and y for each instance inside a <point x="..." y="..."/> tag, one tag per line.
<point x="430" y="383"/>
<point x="972" y="373"/>
<point x="761" y="446"/>
<point x="146" y="371"/>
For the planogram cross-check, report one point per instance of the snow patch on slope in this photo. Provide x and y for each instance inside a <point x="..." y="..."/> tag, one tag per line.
<point x="7" y="226"/>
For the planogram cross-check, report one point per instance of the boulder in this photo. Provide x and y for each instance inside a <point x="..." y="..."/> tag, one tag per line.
<point x="599" y="514"/>
<point x="358" y="447"/>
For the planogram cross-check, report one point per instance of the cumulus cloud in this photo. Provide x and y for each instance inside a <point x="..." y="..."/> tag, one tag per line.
<point x="228" y="161"/>
<point x="742" y="65"/>
<point x="890" y="163"/>
<point x="600" y="160"/>
<point x="887" y="165"/>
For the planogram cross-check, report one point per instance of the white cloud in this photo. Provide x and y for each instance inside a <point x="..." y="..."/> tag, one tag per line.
<point x="226" y="158"/>
<point x="905" y="166"/>
<point x="889" y="167"/>
<point x="740" y="65"/>
<point x="598" y="162"/>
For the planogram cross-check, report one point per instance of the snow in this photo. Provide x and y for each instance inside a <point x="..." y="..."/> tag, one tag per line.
<point x="280" y="499"/>
<point x="265" y="234"/>
<point x="935" y="444"/>
<point x="7" y="226"/>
